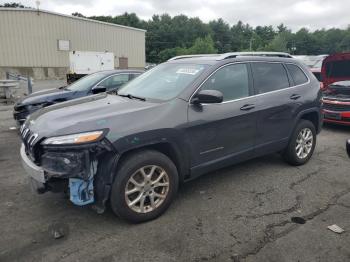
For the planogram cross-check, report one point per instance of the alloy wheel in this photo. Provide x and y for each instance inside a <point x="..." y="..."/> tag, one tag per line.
<point x="147" y="188"/>
<point x="304" y="143"/>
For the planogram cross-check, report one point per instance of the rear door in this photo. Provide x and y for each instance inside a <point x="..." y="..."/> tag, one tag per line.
<point x="219" y="132"/>
<point x="278" y="101"/>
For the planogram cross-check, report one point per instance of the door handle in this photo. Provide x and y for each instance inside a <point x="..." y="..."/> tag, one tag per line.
<point x="295" y="96"/>
<point x="247" y="107"/>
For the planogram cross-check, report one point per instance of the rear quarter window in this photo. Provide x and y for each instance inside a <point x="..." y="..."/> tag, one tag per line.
<point x="318" y="75"/>
<point x="297" y="74"/>
<point x="269" y="77"/>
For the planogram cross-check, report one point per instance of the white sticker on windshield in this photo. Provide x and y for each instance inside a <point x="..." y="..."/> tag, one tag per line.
<point x="187" y="71"/>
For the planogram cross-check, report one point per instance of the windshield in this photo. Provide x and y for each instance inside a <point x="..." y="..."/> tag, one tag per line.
<point x="163" y="82"/>
<point x="85" y="83"/>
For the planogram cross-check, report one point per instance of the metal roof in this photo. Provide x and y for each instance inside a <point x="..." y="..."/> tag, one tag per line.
<point x="68" y="16"/>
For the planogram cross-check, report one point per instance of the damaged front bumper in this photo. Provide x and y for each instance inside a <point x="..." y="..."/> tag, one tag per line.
<point x="36" y="174"/>
<point x="73" y="170"/>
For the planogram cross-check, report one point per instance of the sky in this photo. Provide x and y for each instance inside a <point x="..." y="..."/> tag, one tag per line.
<point x="312" y="14"/>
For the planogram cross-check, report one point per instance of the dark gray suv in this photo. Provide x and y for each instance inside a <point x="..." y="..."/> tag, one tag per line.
<point x="175" y="122"/>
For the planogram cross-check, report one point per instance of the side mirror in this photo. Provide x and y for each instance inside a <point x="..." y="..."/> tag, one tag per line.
<point x="208" y="97"/>
<point x="99" y="89"/>
<point x="348" y="147"/>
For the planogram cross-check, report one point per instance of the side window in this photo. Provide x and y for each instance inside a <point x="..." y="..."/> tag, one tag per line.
<point x="269" y="77"/>
<point x="115" y="81"/>
<point x="318" y="75"/>
<point x="297" y="74"/>
<point x="232" y="81"/>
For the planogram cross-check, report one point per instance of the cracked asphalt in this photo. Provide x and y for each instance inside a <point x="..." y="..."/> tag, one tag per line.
<point x="240" y="213"/>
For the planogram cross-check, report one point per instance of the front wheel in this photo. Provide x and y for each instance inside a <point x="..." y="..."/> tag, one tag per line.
<point x="145" y="185"/>
<point x="302" y="144"/>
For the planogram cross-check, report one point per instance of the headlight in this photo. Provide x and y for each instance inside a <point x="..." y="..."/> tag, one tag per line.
<point x="74" y="139"/>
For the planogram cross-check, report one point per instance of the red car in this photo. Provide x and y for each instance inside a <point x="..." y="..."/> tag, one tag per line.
<point x="336" y="86"/>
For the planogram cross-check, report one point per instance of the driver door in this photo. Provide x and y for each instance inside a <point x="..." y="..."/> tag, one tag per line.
<point x="220" y="134"/>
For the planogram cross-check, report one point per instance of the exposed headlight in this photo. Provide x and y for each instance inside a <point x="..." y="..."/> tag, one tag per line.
<point x="74" y="139"/>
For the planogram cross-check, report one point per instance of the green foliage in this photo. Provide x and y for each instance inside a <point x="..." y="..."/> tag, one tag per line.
<point x="13" y="5"/>
<point x="77" y="14"/>
<point x="220" y="31"/>
<point x="280" y="42"/>
<point x="201" y="46"/>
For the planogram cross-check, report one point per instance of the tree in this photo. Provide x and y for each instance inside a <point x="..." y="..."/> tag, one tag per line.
<point x="263" y="36"/>
<point x="168" y="36"/>
<point x="279" y="43"/>
<point x="241" y="35"/>
<point x="201" y="46"/>
<point x="282" y="28"/>
<point x="305" y="43"/>
<point x="78" y="14"/>
<point x="13" y="5"/>
<point x="221" y="35"/>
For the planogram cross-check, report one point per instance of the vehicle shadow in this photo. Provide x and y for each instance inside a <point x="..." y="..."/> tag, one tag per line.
<point x="336" y="128"/>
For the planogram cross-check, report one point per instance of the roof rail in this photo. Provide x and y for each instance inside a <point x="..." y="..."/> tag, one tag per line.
<point x="192" y="56"/>
<point x="233" y="55"/>
<point x="269" y="54"/>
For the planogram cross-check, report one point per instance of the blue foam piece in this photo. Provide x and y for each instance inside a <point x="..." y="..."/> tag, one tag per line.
<point x="81" y="192"/>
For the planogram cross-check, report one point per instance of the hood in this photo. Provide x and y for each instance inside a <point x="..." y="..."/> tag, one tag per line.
<point x="336" y="68"/>
<point x="96" y="112"/>
<point x="45" y="96"/>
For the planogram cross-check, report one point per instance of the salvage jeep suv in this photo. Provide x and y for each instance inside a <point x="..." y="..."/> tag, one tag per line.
<point x="177" y="121"/>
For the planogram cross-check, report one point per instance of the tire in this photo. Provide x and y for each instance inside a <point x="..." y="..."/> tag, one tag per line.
<point x="145" y="167"/>
<point x="291" y="153"/>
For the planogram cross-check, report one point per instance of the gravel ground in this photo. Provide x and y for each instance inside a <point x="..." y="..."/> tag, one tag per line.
<point x="241" y="213"/>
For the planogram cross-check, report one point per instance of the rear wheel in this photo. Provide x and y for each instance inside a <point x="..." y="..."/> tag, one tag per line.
<point x="302" y="144"/>
<point x="145" y="185"/>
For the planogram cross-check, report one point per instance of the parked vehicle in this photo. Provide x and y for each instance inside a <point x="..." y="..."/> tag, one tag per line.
<point x="336" y="103"/>
<point x="172" y="124"/>
<point x="336" y="89"/>
<point x="92" y="84"/>
<point x="82" y="63"/>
